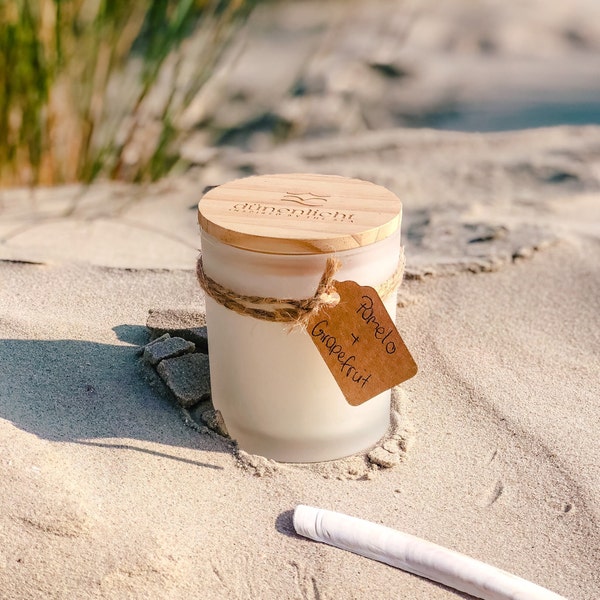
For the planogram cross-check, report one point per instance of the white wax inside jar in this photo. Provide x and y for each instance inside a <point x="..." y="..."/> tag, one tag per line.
<point x="275" y="393"/>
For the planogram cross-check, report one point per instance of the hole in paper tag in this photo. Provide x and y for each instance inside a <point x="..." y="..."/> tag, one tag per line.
<point x="360" y="344"/>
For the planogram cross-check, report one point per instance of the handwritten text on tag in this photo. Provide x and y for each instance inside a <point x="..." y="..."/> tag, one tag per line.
<point x="360" y="344"/>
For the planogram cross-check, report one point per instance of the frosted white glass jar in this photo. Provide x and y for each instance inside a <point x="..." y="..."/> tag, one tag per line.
<point x="274" y="391"/>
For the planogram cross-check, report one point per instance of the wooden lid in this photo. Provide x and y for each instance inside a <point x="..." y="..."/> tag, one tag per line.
<point x="299" y="213"/>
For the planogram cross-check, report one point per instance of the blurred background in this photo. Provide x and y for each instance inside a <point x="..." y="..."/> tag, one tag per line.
<point x="138" y="90"/>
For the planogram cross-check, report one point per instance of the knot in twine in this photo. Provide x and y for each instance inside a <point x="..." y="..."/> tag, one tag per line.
<point x="289" y="310"/>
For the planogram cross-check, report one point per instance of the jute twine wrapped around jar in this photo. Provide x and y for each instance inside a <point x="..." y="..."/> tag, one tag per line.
<point x="290" y="310"/>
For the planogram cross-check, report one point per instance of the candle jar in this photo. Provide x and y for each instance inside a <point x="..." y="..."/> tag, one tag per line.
<point x="270" y="237"/>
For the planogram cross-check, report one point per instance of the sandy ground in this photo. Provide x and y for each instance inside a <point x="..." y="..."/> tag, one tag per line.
<point x="107" y="493"/>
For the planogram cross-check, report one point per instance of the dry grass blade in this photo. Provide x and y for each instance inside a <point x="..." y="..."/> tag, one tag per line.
<point x="93" y="87"/>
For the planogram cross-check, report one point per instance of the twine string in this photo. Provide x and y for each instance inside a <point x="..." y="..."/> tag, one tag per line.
<point x="288" y="310"/>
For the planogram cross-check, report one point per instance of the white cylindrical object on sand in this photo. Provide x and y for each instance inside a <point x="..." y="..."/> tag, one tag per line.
<point x="415" y="555"/>
<point x="270" y="237"/>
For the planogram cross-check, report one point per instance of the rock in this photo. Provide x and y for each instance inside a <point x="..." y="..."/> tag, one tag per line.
<point x="187" y="324"/>
<point x="140" y="351"/>
<point x="162" y="338"/>
<point x="199" y="409"/>
<point x="188" y="377"/>
<point x="205" y="415"/>
<point x="167" y="347"/>
<point x="214" y="420"/>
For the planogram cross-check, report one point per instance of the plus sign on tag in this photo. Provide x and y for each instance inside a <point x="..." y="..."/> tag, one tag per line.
<point x="360" y="344"/>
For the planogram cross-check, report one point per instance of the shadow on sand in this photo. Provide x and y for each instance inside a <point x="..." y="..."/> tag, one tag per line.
<point x="93" y="394"/>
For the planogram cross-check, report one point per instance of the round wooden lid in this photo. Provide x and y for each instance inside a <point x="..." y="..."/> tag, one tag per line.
<point x="299" y="213"/>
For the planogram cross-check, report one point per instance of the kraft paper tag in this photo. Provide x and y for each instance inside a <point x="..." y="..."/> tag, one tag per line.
<point x="360" y="344"/>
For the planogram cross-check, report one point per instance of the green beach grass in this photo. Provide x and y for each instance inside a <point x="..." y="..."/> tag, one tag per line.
<point x="94" y="88"/>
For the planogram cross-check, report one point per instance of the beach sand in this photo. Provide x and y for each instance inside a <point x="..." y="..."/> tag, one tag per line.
<point x="108" y="493"/>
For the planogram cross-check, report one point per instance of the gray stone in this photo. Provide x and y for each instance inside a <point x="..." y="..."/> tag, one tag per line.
<point x="197" y="410"/>
<point x="167" y="347"/>
<point x="188" y="377"/>
<point x="184" y="323"/>
<point x="140" y="351"/>
<point x="157" y="340"/>
<point x="213" y="419"/>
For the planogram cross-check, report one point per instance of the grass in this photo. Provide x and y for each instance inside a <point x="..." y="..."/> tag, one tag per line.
<point x="93" y="88"/>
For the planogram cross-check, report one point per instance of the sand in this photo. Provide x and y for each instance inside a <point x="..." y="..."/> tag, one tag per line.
<point x="107" y="492"/>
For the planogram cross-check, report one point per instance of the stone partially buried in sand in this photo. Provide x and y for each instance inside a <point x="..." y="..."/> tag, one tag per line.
<point x="213" y="419"/>
<point x="169" y="347"/>
<point x="187" y="324"/>
<point x="188" y="377"/>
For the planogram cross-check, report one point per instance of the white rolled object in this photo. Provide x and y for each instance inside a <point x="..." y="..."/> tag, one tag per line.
<point x="415" y="555"/>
